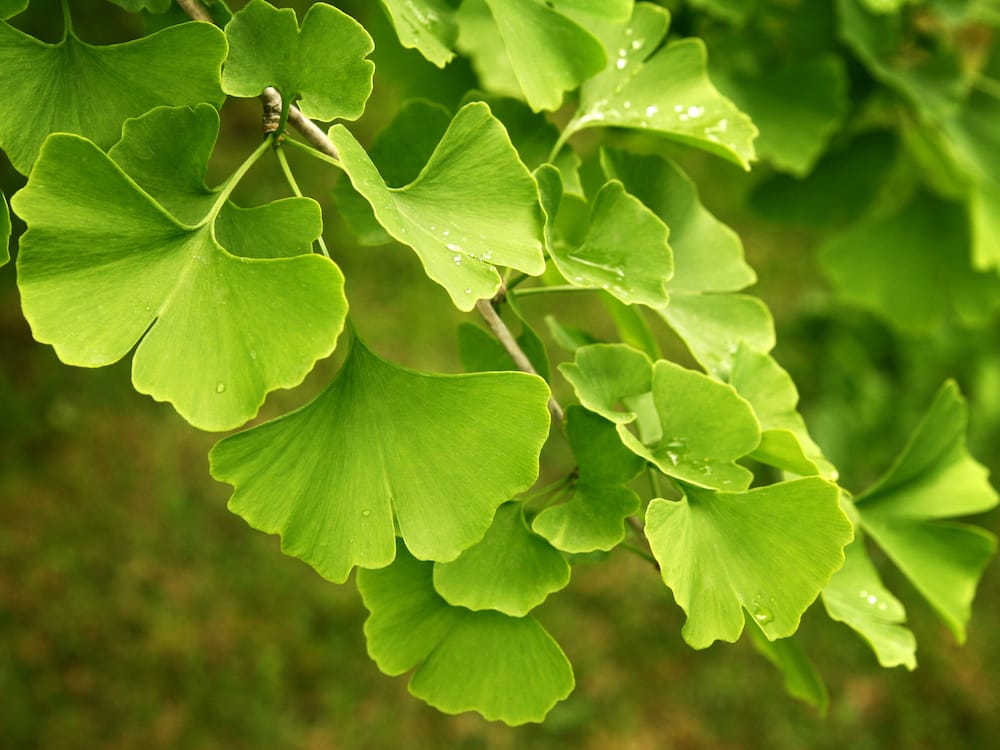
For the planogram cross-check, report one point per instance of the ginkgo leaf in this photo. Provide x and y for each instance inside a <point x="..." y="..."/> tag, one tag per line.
<point x="606" y="375"/>
<point x="547" y="52"/>
<point x="505" y="668"/>
<point x="399" y="152"/>
<point x="715" y="326"/>
<point x="797" y="108"/>
<point x="705" y="426"/>
<point x="322" y="66"/>
<point x="512" y="570"/>
<point x="768" y="551"/>
<point x="594" y="518"/>
<point x="802" y="681"/>
<point x="785" y="441"/>
<point x="428" y="26"/>
<point x="935" y="284"/>
<point x="662" y="89"/>
<point x="52" y="87"/>
<point x="857" y="597"/>
<point x="10" y="8"/>
<point x="4" y="230"/>
<point x="708" y="255"/>
<point x="103" y="267"/>
<point x="384" y="445"/>
<point x="907" y="512"/>
<point x="473" y="207"/>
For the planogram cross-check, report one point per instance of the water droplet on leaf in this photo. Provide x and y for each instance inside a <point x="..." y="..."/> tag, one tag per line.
<point x="220" y="388"/>
<point x="366" y="513"/>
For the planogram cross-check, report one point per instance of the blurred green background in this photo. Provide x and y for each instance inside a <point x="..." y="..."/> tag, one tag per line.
<point x="136" y="612"/>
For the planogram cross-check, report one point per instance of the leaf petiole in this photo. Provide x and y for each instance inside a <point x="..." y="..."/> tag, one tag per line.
<point x="234" y="180"/>
<point x="553" y="289"/>
<point x="315" y="153"/>
<point x="290" y="177"/>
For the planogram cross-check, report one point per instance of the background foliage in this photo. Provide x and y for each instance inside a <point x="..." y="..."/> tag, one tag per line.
<point x="136" y="610"/>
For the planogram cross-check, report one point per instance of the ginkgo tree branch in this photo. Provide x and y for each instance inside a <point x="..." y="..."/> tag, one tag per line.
<point x="315" y="135"/>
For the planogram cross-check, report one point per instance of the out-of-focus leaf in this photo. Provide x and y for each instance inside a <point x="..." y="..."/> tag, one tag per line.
<point x="426" y="25"/>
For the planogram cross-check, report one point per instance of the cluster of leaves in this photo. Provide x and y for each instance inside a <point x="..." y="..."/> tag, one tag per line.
<point x="425" y="481"/>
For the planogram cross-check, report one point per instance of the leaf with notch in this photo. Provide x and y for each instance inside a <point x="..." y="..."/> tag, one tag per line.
<point x="103" y="267"/>
<point x="505" y="668"/>
<point x="384" y="445"/>
<point x="428" y="26"/>
<point x="322" y="66"/>
<point x="473" y="207"/>
<point x="768" y="552"/>
<point x="53" y="87"/>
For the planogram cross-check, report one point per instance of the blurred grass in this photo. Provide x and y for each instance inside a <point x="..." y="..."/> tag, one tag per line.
<point x="136" y="612"/>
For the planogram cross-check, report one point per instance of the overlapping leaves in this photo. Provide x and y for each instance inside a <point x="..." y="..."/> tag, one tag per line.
<point x="104" y="266"/>
<point x="460" y="229"/>
<point x="506" y="668"/>
<point x="53" y="87"/>
<point x="383" y="447"/>
<point x="267" y="48"/>
<point x="665" y="90"/>
<point x="426" y="25"/>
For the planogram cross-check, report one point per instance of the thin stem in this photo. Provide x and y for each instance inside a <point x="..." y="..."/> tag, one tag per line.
<point x="67" y="20"/>
<point x="640" y="532"/>
<point x="641" y="553"/>
<point x="314" y="153"/>
<point x="654" y="482"/>
<point x="564" y="136"/>
<point x="553" y="290"/>
<point x="312" y="132"/>
<point x="234" y="180"/>
<point x="196" y="10"/>
<point x="290" y="178"/>
<point x="506" y="338"/>
<point x="549" y="488"/>
<point x="519" y="279"/>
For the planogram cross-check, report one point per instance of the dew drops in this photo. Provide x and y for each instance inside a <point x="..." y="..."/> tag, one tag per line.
<point x="621" y="63"/>
<point x="253" y="354"/>
<point x="694" y="111"/>
<point x="468" y="291"/>
<point x="458" y="260"/>
<point x="678" y="108"/>
<point x="637" y="43"/>
<point x="651" y="110"/>
<point x="220" y="388"/>
<point x="627" y="104"/>
<point x="762" y="615"/>
<point x="366" y="513"/>
<point x="453" y="247"/>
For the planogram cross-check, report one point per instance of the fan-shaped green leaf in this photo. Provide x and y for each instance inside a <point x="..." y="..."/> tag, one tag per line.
<point x="428" y="26"/>
<point x="322" y="66"/>
<point x="437" y="454"/>
<point x="665" y="90"/>
<point x="715" y="326"/>
<point x="594" y="518"/>
<point x="4" y="230"/>
<point x="768" y="551"/>
<point x="905" y="512"/>
<point x="505" y="668"/>
<point x="102" y="267"/>
<point x="53" y="87"/>
<point x="606" y="375"/>
<point x="708" y="255"/>
<point x="936" y="282"/>
<point x="547" y="52"/>
<point x="512" y="570"/>
<point x="704" y="427"/>
<point x="785" y="442"/>
<point x="473" y="205"/>
<point x="625" y="251"/>
<point x="797" y="108"/>
<point x="857" y="597"/>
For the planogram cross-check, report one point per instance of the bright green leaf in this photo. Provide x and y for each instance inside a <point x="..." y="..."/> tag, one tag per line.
<point x="785" y="442"/>
<point x="437" y="454"/>
<point x="715" y="326"/>
<point x="569" y="337"/>
<point x="505" y="668"/>
<point x="600" y="455"/>
<point x="474" y="206"/>
<point x="906" y="512"/>
<point x="665" y="90"/>
<point x="547" y="52"/>
<point x="857" y="597"/>
<point x="52" y="88"/>
<point x="479" y="39"/>
<point x="4" y="230"/>
<point x="768" y="551"/>
<point x="399" y="152"/>
<point x="802" y="681"/>
<point x="428" y="26"/>
<point x="934" y="284"/>
<point x="321" y="66"/>
<point x="708" y="255"/>
<point x="512" y="570"/>
<point x="797" y="108"/>
<point x="102" y="267"/>
<point x="705" y="426"/>
<point x="625" y="251"/>
<point x="605" y="375"/>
